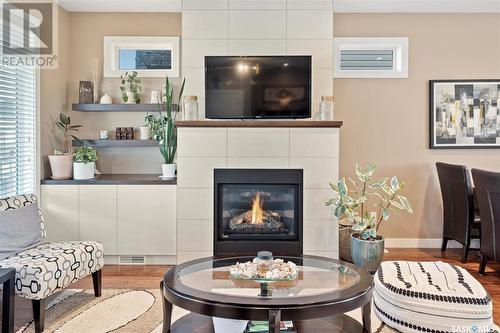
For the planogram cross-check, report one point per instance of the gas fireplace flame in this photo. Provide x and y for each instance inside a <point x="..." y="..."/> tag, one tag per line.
<point x="257" y="212"/>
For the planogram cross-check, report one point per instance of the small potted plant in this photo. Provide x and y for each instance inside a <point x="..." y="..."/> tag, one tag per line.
<point x="145" y="130"/>
<point x="367" y="245"/>
<point x="61" y="161"/>
<point x="131" y="88"/>
<point x="84" y="163"/>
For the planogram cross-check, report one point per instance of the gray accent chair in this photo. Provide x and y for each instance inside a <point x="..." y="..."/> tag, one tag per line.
<point x="42" y="268"/>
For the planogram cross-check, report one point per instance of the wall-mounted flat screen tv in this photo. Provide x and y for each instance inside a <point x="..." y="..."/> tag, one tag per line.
<point x="257" y="87"/>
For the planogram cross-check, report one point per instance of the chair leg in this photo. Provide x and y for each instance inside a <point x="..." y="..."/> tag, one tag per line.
<point x="444" y="244"/>
<point x="465" y="252"/>
<point x="97" y="281"/>
<point x="482" y="265"/>
<point x="39" y="314"/>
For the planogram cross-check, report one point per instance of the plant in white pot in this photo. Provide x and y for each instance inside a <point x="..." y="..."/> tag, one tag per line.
<point x="164" y="129"/>
<point x="367" y="245"/>
<point x="84" y="163"/>
<point x="131" y="88"/>
<point x="61" y="162"/>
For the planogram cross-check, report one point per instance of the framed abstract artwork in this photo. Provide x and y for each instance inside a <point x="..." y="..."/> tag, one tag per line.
<point x="464" y="114"/>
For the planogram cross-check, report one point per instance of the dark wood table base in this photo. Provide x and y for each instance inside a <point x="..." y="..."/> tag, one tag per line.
<point x="7" y="279"/>
<point x="196" y="323"/>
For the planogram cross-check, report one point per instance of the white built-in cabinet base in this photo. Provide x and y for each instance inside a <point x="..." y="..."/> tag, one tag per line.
<point x="135" y="223"/>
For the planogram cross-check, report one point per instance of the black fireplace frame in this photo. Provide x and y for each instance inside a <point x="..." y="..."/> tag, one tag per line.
<point x="225" y="248"/>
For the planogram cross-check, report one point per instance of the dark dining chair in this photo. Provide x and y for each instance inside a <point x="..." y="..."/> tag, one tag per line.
<point x="459" y="219"/>
<point x="487" y="186"/>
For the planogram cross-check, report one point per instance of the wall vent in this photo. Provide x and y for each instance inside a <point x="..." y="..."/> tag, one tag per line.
<point x="132" y="260"/>
<point x="370" y="57"/>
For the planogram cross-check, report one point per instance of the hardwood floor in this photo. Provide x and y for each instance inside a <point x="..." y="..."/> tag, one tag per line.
<point x="149" y="277"/>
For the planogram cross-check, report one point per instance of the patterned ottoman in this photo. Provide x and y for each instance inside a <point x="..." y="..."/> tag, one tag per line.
<point x="431" y="297"/>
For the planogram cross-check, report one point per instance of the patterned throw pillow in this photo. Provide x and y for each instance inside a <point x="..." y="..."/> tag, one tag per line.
<point x="19" y="201"/>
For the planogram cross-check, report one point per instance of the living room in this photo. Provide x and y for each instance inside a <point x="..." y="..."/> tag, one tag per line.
<point x="247" y="156"/>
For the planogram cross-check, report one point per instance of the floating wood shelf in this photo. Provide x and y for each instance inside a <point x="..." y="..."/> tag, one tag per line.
<point x="118" y="107"/>
<point x="116" y="143"/>
<point x="115" y="179"/>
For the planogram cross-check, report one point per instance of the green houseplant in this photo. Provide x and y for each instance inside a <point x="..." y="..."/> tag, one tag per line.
<point x="131" y="87"/>
<point x="84" y="162"/>
<point x="367" y="245"/>
<point x="61" y="160"/>
<point x="163" y="128"/>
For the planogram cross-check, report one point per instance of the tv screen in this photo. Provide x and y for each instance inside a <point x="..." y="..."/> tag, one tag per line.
<point x="257" y="87"/>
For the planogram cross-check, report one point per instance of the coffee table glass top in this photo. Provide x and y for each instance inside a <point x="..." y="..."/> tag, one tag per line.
<point x="316" y="276"/>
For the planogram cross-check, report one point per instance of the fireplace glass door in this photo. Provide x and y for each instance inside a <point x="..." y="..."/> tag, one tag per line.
<point x="258" y="211"/>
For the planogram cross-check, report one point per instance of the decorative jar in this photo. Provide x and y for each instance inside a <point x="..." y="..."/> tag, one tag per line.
<point x="191" y="107"/>
<point x="326" y="108"/>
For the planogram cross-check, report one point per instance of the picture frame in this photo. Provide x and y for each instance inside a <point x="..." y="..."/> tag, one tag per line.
<point x="464" y="114"/>
<point x="153" y="56"/>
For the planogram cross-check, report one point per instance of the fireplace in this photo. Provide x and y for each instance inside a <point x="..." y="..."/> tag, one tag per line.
<point x="257" y="209"/>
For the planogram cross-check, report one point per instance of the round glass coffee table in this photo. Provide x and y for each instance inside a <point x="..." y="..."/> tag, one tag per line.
<point x="323" y="288"/>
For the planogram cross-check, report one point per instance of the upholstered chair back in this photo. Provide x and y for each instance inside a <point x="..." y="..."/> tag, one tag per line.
<point x="458" y="204"/>
<point x="487" y="185"/>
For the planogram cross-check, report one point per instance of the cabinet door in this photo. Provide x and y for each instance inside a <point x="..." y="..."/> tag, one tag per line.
<point x="97" y="215"/>
<point x="59" y="205"/>
<point x="146" y="223"/>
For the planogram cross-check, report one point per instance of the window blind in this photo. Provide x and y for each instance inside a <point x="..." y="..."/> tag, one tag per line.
<point x="17" y="126"/>
<point x="363" y="60"/>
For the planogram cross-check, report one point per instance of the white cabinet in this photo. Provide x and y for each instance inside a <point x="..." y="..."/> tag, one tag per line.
<point x="146" y="219"/>
<point x="60" y="211"/>
<point x="129" y="220"/>
<point x="97" y="215"/>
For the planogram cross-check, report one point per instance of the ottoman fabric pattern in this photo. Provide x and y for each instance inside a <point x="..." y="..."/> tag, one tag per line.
<point x="431" y="297"/>
<point x="42" y="270"/>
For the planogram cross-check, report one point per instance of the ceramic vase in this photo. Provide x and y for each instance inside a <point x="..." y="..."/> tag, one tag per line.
<point x="168" y="170"/>
<point x="82" y="171"/>
<point x="61" y="166"/>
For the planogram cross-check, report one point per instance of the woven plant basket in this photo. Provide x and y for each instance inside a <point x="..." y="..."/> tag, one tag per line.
<point x="345" y="231"/>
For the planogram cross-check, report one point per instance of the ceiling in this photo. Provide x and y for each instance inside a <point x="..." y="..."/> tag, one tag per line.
<point x="340" y="6"/>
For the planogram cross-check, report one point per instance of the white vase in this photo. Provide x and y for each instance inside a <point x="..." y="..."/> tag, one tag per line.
<point x="130" y="99"/>
<point x="168" y="170"/>
<point x="106" y="99"/>
<point x="83" y="171"/>
<point x="145" y="132"/>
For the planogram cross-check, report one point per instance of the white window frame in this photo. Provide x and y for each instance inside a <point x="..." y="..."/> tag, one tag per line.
<point x="399" y="45"/>
<point x="112" y="45"/>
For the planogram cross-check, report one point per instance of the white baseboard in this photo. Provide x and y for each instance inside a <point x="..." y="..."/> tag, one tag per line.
<point x="423" y="243"/>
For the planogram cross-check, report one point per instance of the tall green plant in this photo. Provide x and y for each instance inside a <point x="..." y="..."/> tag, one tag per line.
<point x="64" y="124"/>
<point x="167" y="129"/>
<point x="352" y="204"/>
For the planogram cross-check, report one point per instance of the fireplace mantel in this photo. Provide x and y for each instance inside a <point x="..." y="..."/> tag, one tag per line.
<point x="260" y="123"/>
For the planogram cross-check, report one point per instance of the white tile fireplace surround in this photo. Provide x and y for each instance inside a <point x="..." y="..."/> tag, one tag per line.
<point x="249" y="144"/>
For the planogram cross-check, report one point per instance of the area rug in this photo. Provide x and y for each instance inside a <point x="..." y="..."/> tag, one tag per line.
<point x="121" y="311"/>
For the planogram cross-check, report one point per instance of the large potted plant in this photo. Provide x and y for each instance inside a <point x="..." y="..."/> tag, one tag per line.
<point x="84" y="163"/>
<point x="367" y="245"/>
<point x="61" y="162"/>
<point x="164" y="130"/>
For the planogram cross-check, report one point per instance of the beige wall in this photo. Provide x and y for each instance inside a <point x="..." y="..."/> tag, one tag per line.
<point x="53" y="94"/>
<point x="85" y="45"/>
<point x="386" y="120"/>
